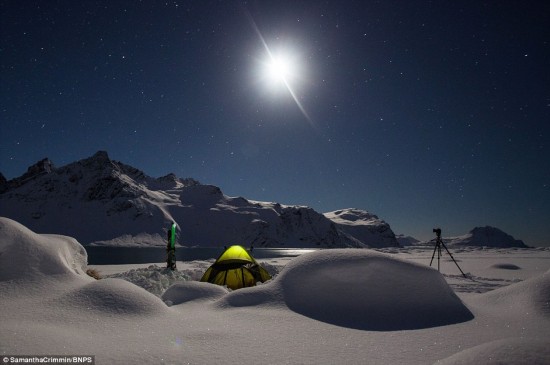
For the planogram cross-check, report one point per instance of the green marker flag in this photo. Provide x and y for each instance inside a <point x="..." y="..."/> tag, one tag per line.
<point x="173" y="237"/>
<point x="171" y="248"/>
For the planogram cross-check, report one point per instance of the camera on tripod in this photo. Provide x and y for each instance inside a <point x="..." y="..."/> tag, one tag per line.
<point x="438" y="244"/>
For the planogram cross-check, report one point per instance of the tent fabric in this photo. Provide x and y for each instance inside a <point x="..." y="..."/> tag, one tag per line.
<point x="236" y="269"/>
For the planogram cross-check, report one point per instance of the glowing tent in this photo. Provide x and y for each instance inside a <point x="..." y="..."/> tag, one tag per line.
<point x="235" y="268"/>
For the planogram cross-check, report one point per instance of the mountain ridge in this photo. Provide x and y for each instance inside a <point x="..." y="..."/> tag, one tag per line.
<point x="101" y="201"/>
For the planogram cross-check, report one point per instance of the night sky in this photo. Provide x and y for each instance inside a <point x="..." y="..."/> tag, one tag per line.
<point x="426" y="113"/>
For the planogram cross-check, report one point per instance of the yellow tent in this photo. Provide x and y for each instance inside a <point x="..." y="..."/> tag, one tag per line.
<point x="235" y="268"/>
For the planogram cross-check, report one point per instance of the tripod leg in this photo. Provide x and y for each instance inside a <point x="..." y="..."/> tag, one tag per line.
<point x="456" y="263"/>
<point x="433" y="254"/>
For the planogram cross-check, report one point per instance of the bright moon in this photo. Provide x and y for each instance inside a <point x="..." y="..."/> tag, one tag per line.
<point x="280" y="69"/>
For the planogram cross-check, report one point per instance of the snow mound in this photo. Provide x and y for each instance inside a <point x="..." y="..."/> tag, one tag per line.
<point x="114" y="297"/>
<point x="154" y="279"/>
<point x="27" y="255"/>
<point x="506" y="267"/>
<point x="526" y="297"/>
<point x="192" y="290"/>
<point x="268" y="294"/>
<point x="361" y="289"/>
<point x="517" y="351"/>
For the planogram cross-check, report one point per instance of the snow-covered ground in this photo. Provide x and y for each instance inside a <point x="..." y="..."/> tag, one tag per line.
<point x="344" y="306"/>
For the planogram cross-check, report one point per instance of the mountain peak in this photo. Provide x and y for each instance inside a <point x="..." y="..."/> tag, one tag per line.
<point x="171" y="177"/>
<point x="487" y="236"/>
<point x="101" y="155"/>
<point x="364" y="226"/>
<point x="42" y="167"/>
<point x="100" y="158"/>
<point x="101" y="163"/>
<point x="352" y="216"/>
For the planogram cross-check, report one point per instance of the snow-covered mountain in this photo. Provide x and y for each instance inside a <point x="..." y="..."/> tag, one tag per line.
<point x="101" y="201"/>
<point x="406" y="240"/>
<point x="485" y="236"/>
<point x="363" y="226"/>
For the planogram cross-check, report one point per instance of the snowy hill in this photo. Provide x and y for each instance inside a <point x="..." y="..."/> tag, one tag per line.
<point x="485" y="236"/>
<point x="101" y="201"/>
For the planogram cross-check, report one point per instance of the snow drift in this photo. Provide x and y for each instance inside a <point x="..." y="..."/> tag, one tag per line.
<point x="359" y="289"/>
<point x="528" y="298"/>
<point x="515" y="351"/>
<point x="154" y="279"/>
<point x="192" y="290"/>
<point x="112" y="297"/>
<point x="27" y="255"/>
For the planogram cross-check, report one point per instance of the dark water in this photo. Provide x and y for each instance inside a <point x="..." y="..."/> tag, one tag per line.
<point x="100" y="255"/>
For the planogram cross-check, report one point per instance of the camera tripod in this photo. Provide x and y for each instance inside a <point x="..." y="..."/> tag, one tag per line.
<point x="438" y="244"/>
